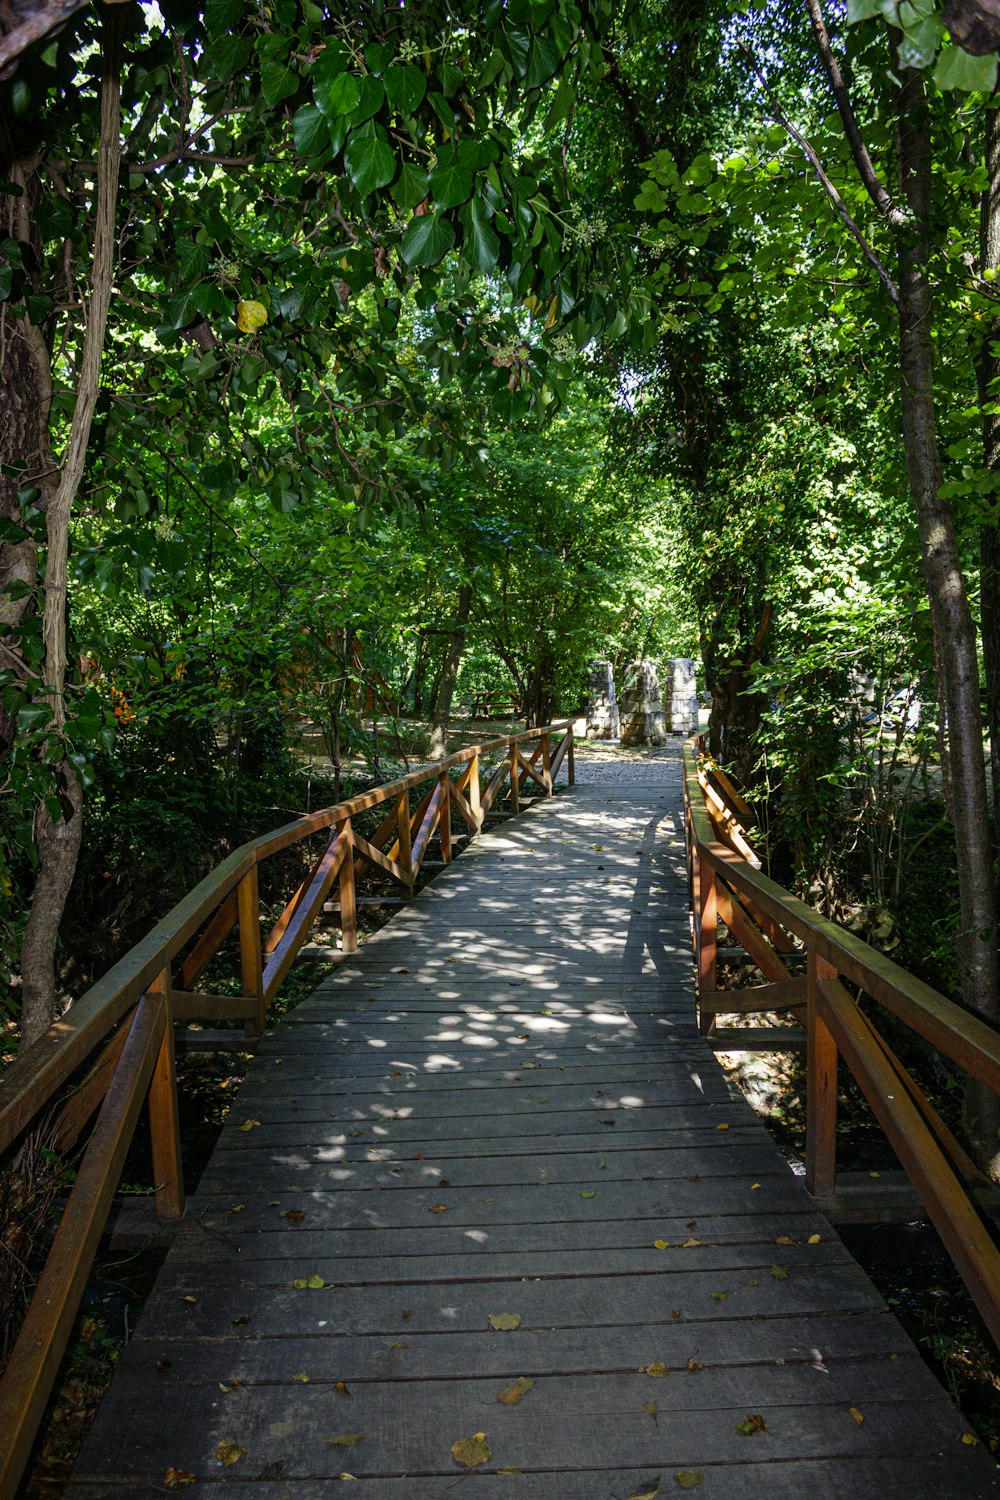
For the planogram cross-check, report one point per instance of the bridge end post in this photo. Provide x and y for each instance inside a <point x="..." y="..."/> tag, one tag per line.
<point x="164" y="1115"/>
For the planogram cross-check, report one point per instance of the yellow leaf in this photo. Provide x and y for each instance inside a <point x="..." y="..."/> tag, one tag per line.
<point x="248" y="1125"/>
<point x="301" y="1377"/>
<point x="720" y="1296"/>
<point x="689" y="1478"/>
<point x="471" y="1451"/>
<point x="650" y="1408"/>
<point x="176" y="1479"/>
<point x="314" y="1281"/>
<point x="228" y="1452"/>
<point x="345" y="1475"/>
<point x="969" y="1440"/>
<point x="237" y="1208"/>
<point x="661" y="1244"/>
<point x="858" y="1416"/>
<point x="784" y="1239"/>
<point x="690" y="1244"/>
<point x="814" y="1239"/>
<point x="723" y="1126"/>
<point x="437" y="1208"/>
<point x="250" y="316"/>
<point x="347" y="1439"/>
<point x="780" y="1273"/>
<point x="504" y="1322"/>
<point x="513" y="1395"/>
<point x="656" y="1370"/>
<point x="754" y="1186"/>
<point x="509" y="1469"/>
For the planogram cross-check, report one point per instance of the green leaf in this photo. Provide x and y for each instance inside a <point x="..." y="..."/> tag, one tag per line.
<point x="370" y="163"/>
<point x="426" y="240"/>
<point x="412" y="187"/>
<point x="958" y="70"/>
<point x="35" y="716"/>
<point x="404" y="88"/>
<point x="482" y="243"/>
<point x="921" y="38"/>
<point x="544" y="61"/>
<point x="518" y="47"/>
<point x="194" y="259"/>
<point x="223" y="15"/>
<point x="864" y="10"/>
<point x="6" y="281"/>
<point x="451" y="184"/>
<point x="277" y="82"/>
<point x="339" y="95"/>
<point x="378" y="56"/>
<point x="372" y="97"/>
<point x="309" y="130"/>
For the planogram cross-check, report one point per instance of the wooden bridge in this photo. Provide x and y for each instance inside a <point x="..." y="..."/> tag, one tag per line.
<point x="486" y="1210"/>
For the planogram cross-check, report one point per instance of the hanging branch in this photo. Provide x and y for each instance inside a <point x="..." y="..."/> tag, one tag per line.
<point x="828" y="186"/>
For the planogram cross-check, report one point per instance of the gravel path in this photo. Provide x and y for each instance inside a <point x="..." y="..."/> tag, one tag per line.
<point x="607" y="763"/>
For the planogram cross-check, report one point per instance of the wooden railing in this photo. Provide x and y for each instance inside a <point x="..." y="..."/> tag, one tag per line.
<point x="121" y="1030"/>
<point x="774" y="928"/>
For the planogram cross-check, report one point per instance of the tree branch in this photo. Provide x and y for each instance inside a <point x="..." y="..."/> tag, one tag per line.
<point x="873" y="184"/>
<point x="825" y="181"/>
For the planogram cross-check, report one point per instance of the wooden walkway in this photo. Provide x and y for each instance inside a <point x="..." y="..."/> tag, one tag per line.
<point x="501" y="1112"/>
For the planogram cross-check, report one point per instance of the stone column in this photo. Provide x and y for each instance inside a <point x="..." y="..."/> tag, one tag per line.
<point x="602" y="705"/>
<point x="642" y="718"/>
<point x="681" y="705"/>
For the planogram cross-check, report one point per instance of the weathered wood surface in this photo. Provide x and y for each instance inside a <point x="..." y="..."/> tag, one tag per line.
<point x="502" y="1105"/>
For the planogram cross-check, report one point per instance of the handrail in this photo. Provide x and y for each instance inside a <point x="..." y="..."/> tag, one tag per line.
<point x="128" y="1015"/>
<point x="762" y="917"/>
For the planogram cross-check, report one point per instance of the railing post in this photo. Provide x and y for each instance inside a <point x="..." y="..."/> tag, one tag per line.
<point x="405" y="852"/>
<point x="251" y="965"/>
<point x="821" y="1087"/>
<point x="444" y="822"/>
<point x="348" y="898"/>
<point x="707" y="945"/>
<point x="164" y="1118"/>
<point x="546" y="765"/>
<point x="515" y="777"/>
<point x="475" y="792"/>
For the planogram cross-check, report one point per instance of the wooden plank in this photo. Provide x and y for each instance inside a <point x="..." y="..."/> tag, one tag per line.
<point x="188" y="1006"/>
<point x="280" y="960"/>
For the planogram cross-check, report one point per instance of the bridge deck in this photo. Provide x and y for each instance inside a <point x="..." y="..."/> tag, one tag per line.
<point x="502" y="1108"/>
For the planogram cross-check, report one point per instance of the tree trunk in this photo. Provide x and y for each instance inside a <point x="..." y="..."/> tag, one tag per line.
<point x="58" y="838"/>
<point x="954" y="630"/>
<point x="449" y="675"/>
<point x="989" y="395"/>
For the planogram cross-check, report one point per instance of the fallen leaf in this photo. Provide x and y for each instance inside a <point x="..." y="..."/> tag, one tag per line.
<point x="241" y="1321"/>
<point x="754" y="1186"/>
<point x="969" y="1440"/>
<point x="689" y="1478"/>
<point x="649" y="1491"/>
<point x="720" y="1296"/>
<point x="345" y="1475"/>
<point x="780" y="1273"/>
<point x="228" y="1452"/>
<point x="695" y="1364"/>
<point x="301" y="1377"/>
<point x="444" y="1182"/>
<point x="784" y="1239"/>
<point x="814" y="1239"/>
<point x="294" y="1215"/>
<point x="192" y="1301"/>
<point x="471" y="1451"/>
<point x="504" y="1322"/>
<point x="754" y="1422"/>
<point x="437" y="1208"/>
<point x="397" y="1344"/>
<point x="723" y="1126"/>
<point x="405" y="1314"/>
<point x="347" y="1439"/>
<point x="163" y="1364"/>
<point x="591" y="1194"/>
<point x="314" y="1281"/>
<point x="858" y="1416"/>
<point x="237" y="1208"/>
<point x="509" y="1469"/>
<point x="513" y="1395"/>
<point x="661" y="1244"/>
<point x="608" y="1120"/>
<point x="656" y="1370"/>
<point x="690" y="1244"/>
<point x="176" y="1479"/>
<point x="340" y="1386"/>
<point x="649" y="1407"/>
<point x="248" y="1125"/>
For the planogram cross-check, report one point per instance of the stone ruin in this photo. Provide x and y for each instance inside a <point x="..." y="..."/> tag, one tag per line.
<point x="681" y="696"/>
<point x="642" y="718"/>
<point x="602" y="706"/>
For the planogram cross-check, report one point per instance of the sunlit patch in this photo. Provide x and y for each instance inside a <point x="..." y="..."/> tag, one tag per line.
<point x="696" y="1080"/>
<point x="331" y="1153"/>
<point x="446" y="1036"/>
<point x="295" y="1163"/>
<point x="606" y="1018"/>
<point x="375" y="1041"/>
<point x="631" y="1101"/>
<point x="472" y="1040"/>
<point x="479" y="1235"/>
<point x="439" y="1062"/>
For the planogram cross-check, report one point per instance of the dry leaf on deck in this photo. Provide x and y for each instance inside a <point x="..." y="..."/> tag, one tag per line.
<point x="649" y="1491"/>
<point x="649" y="1407"/>
<point x="504" y="1322"/>
<point x="347" y="1439"/>
<point x="661" y="1244"/>
<point x="780" y="1273"/>
<point x="513" y="1395"/>
<point x="471" y="1451"/>
<point x="176" y="1479"/>
<point x="689" y="1478"/>
<point x="314" y="1280"/>
<point x="248" y="1125"/>
<point x="858" y="1416"/>
<point x="656" y="1370"/>
<point x="340" y="1386"/>
<point x="301" y="1377"/>
<point x="437" y="1208"/>
<point x="752" y="1423"/>
<point x="695" y="1364"/>
<point x="294" y="1215"/>
<point x="228" y="1452"/>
